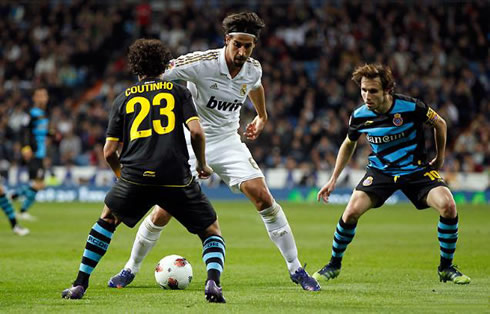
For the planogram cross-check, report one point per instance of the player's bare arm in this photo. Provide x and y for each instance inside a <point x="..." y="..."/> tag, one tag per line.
<point x="198" y="141"/>
<point x="440" y="134"/>
<point x="255" y="127"/>
<point x="345" y="153"/>
<point x="111" y="156"/>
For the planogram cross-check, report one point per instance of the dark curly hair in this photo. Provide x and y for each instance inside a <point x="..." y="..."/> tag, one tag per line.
<point x="372" y="71"/>
<point x="243" y="22"/>
<point x="148" y="57"/>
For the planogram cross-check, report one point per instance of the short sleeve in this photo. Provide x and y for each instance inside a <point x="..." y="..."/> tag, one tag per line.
<point x="180" y="69"/>
<point x="116" y="121"/>
<point x="189" y="110"/>
<point x="421" y="111"/>
<point x="353" y="131"/>
<point x="258" y="82"/>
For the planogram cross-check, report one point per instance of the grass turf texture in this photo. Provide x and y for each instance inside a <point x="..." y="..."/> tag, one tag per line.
<point x="389" y="267"/>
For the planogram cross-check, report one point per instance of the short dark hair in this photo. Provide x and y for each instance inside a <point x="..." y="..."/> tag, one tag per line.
<point x="372" y="71"/>
<point x="148" y="57"/>
<point x="243" y="22"/>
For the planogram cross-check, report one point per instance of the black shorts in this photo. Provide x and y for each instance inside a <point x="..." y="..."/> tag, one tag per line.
<point x="36" y="169"/>
<point x="415" y="185"/>
<point x="130" y="202"/>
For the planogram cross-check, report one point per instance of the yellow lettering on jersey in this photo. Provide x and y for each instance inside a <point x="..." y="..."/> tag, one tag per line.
<point x="165" y="111"/>
<point x="148" y="88"/>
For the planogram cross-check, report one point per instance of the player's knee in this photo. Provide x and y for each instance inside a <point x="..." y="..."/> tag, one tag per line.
<point x="212" y="230"/>
<point x="448" y="208"/>
<point x="351" y="216"/>
<point x="160" y="217"/>
<point x="265" y="200"/>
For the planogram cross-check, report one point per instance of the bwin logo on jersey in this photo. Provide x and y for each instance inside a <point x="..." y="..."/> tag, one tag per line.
<point x="213" y="103"/>
<point x="384" y="139"/>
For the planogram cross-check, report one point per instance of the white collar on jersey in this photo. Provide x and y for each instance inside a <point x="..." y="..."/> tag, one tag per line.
<point x="223" y="68"/>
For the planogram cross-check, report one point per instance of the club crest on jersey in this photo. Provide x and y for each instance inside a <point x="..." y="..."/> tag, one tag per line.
<point x="397" y="119"/>
<point x="243" y="90"/>
<point x="368" y="181"/>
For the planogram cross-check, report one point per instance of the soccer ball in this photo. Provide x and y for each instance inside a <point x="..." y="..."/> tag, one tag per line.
<point x="173" y="272"/>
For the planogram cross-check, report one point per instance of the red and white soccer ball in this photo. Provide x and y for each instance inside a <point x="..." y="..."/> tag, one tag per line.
<point x="173" y="272"/>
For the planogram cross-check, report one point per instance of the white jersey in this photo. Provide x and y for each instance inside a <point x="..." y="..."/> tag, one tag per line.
<point x="217" y="96"/>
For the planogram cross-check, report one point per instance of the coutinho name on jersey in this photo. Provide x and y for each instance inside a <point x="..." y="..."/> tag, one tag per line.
<point x="148" y="87"/>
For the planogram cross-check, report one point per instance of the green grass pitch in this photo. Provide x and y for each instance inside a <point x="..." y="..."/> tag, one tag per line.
<point x="389" y="267"/>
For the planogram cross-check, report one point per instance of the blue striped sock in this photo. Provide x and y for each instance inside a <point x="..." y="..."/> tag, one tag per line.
<point x="8" y="209"/>
<point x="447" y="233"/>
<point x="213" y="255"/>
<point x="344" y="233"/>
<point x="30" y="198"/>
<point x="97" y="244"/>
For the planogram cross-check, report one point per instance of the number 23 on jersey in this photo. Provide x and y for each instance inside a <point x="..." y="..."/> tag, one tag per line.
<point x="167" y="111"/>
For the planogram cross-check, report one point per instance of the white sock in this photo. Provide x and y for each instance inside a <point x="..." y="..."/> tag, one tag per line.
<point x="280" y="233"/>
<point x="147" y="236"/>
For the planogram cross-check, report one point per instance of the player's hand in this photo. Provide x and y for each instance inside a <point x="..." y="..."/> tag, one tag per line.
<point x="437" y="163"/>
<point x="325" y="191"/>
<point x="254" y="128"/>
<point x="204" y="172"/>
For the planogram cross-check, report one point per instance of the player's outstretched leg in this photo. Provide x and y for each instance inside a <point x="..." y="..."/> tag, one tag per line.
<point x="146" y="238"/>
<point x="280" y="233"/>
<point x="8" y="209"/>
<point x="213" y="255"/>
<point x="97" y="244"/>
<point x="447" y="232"/>
<point x="344" y="233"/>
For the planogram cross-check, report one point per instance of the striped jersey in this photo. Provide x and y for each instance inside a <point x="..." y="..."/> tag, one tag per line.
<point x="217" y="96"/>
<point x="36" y="132"/>
<point x="396" y="137"/>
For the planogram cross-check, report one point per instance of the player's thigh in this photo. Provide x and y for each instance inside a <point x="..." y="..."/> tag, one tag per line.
<point x="130" y="202"/>
<point x="159" y="216"/>
<point x="417" y="186"/>
<point x="233" y="162"/>
<point x="378" y="186"/>
<point x="189" y="206"/>
<point x="441" y="199"/>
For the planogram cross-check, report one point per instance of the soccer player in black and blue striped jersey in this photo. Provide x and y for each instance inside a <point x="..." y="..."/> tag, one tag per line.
<point x="34" y="151"/>
<point x="393" y="125"/>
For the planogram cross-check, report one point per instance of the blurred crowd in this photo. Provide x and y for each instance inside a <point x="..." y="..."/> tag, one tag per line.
<point x="438" y="53"/>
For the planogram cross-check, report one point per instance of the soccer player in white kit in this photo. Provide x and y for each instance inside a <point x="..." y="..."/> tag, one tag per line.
<point x="220" y="81"/>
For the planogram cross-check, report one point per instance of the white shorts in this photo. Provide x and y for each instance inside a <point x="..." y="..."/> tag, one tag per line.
<point x="231" y="161"/>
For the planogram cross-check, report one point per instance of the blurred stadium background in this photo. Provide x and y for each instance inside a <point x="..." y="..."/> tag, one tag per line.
<point x="438" y="51"/>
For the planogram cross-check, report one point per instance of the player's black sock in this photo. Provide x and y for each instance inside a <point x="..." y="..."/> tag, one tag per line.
<point x="213" y="255"/>
<point x="8" y="209"/>
<point x="96" y="246"/>
<point x="30" y="197"/>
<point x="344" y="233"/>
<point x="447" y="233"/>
